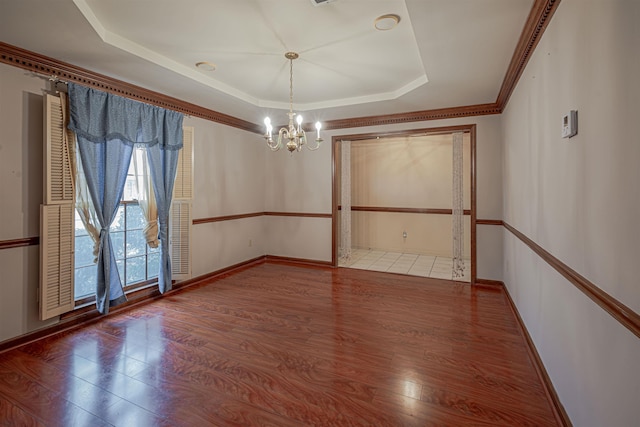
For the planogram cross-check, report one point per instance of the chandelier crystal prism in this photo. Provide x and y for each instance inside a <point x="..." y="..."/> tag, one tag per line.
<point x="293" y="136"/>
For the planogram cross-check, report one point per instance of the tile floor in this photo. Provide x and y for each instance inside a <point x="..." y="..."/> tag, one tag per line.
<point x="412" y="264"/>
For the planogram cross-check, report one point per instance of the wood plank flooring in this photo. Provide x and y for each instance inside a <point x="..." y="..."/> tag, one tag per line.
<point x="282" y="345"/>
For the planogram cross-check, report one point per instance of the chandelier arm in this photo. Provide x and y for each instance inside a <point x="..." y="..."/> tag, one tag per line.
<point x="312" y="148"/>
<point x="273" y="145"/>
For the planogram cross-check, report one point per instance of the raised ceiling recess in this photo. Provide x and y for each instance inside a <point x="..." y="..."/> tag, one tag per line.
<point x="343" y="60"/>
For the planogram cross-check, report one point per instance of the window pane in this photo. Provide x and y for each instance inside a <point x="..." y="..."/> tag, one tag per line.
<point x="131" y="257"/>
<point x="135" y="218"/>
<point x="85" y="281"/>
<point x="120" y="269"/>
<point x="135" y="269"/>
<point x="153" y="265"/>
<point x="83" y="251"/>
<point x="151" y="250"/>
<point x="80" y="230"/>
<point x="130" y="191"/>
<point x="117" y="241"/>
<point x="136" y="243"/>
<point x="118" y="222"/>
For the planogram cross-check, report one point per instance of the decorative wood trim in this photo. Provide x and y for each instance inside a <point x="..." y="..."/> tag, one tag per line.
<point x="205" y="278"/>
<point x="334" y="207"/>
<point x="254" y="214"/>
<point x="474" y="210"/>
<point x="41" y="64"/>
<point x="415" y="116"/>
<point x="300" y="214"/>
<point x="623" y="314"/>
<point x="430" y="211"/>
<point x="537" y="21"/>
<point x="440" y="130"/>
<point x="489" y="222"/>
<point x="18" y="243"/>
<point x="86" y="315"/>
<point x="298" y="261"/>
<point x="488" y="283"/>
<point x="225" y="218"/>
<point x="562" y="418"/>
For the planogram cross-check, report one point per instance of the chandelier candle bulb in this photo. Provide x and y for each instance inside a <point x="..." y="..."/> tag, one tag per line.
<point x="299" y="120"/>
<point x="318" y="127"/>
<point x="267" y="123"/>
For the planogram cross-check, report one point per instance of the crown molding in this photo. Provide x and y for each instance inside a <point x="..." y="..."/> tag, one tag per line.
<point x="537" y="21"/>
<point x="415" y="116"/>
<point x="47" y="66"/>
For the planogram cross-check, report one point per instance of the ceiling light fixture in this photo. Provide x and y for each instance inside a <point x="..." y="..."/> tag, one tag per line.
<point x="206" y="66"/>
<point x="295" y="135"/>
<point x="386" y="22"/>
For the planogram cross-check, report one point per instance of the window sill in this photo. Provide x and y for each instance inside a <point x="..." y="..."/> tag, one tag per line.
<point x="134" y="294"/>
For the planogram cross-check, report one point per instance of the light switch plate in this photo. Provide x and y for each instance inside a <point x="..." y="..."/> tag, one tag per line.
<point x="570" y="124"/>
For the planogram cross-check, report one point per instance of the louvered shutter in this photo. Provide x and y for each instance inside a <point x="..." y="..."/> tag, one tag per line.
<point x="183" y="188"/>
<point x="180" y="217"/>
<point x="56" y="217"/>
<point x="180" y="238"/>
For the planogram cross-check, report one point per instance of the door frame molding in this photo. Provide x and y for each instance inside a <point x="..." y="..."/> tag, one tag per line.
<point x="336" y="139"/>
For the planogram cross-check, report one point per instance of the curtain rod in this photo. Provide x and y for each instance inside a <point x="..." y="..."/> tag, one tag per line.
<point x="53" y="79"/>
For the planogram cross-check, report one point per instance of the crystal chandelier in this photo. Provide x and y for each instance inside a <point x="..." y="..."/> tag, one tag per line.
<point x="294" y="136"/>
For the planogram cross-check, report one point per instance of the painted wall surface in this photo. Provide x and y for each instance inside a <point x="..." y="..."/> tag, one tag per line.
<point x="410" y="172"/>
<point x="406" y="172"/>
<point x="228" y="180"/>
<point x="578" y="199"/>
<point x="298" y="182"/>
<point x="426" y="234"/>
<point x="21" y="153"/>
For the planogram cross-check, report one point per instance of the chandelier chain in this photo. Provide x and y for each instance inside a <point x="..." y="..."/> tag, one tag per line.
<point x="290" y="85"/>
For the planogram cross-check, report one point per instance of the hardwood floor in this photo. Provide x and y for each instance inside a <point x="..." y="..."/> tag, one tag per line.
<point x="282" y="345"/>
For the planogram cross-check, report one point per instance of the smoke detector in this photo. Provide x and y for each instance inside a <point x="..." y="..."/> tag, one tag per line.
<point x="321" y="2"/>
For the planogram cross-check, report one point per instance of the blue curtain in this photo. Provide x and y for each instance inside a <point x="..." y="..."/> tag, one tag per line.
<point x="163" y="165"/>
<point x="107" y="127"/>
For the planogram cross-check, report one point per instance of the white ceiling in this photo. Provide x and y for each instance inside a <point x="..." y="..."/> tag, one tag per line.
<point x="443" y="53"/>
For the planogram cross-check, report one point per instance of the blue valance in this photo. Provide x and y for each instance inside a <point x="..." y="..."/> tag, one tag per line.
<point x="99" y="117"/>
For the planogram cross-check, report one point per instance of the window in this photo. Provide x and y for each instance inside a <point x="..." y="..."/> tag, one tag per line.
<point x="61" y="264"/>
<point x="137" y="263"/>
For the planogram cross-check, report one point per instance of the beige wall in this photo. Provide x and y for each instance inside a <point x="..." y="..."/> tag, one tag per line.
<point x="426" y="234"/>
<point x="298" y="182"/>
<point x="21" y="195"/>
<point x="229" y="166"/>
<point x="578" y="199"/>
<point x="406" y="172"/>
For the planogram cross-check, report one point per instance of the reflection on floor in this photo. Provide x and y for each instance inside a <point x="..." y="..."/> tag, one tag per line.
<point x="412" y="264"/>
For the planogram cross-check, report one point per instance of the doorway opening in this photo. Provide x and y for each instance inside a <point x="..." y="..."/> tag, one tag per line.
<point x="399" y="215"/>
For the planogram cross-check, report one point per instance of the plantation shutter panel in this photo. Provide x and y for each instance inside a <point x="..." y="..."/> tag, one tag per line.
<point x="58" y="175"/>
<point x="180" y="237"/>
<point x="56" y="217"/>
<point x="180" y="216"/>
<point x="183" y="188"/>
